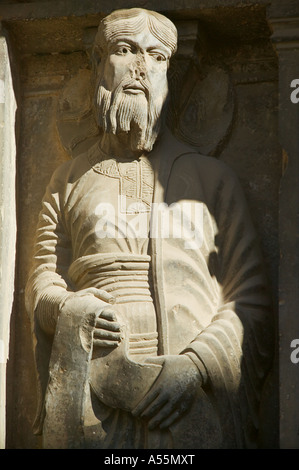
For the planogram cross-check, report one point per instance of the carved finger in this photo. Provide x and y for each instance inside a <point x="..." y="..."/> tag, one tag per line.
<point x="99" y="343"/>
<point x="108" y="314"/>
<point x="155" y="406"/>
<point x="105" y="334"/>
<point x="146" y="401"/>
<point x="103" y="295"/>
<point x="99" y="293"/>
<point x="107" y="325"/>
<point x="171" y="419"/>
<point x="163" y="414"/>
<point x="174" y="416"/>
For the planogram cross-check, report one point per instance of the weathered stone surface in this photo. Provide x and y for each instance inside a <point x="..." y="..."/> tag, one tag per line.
<point x="7" y="217"/>
<point x="197" y="344"/>
<point x="237" y="38"/>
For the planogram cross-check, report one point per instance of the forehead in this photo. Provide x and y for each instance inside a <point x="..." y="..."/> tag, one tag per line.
<point x="143" y="39"/>
<point x="143" y="28"/>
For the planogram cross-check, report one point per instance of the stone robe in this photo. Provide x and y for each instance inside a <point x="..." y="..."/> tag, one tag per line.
<point x="185" y="229"/>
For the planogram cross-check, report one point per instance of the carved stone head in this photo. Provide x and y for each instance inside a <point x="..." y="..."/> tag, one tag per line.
<point x="131" y="57"/>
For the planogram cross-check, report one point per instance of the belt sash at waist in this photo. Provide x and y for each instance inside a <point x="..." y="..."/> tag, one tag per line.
<point x="125" y="276"/>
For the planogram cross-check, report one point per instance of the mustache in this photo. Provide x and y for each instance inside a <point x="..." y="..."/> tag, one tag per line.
<point x="128" y="82"/>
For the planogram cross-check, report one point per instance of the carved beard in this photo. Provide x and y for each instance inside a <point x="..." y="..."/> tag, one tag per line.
<point x="139" y="115"/>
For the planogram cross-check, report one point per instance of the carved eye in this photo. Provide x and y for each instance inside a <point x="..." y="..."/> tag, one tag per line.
<point x="159" y="57"/>
<point x="123" y="50"/>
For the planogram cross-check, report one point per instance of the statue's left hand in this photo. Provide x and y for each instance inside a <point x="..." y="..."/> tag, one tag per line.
<point x="172" y="393"/>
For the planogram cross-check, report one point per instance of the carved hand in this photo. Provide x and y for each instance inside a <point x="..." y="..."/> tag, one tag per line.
<point x="107" y="329"/>
<point x="95" y="301"/>
<point x="106" y="332"/>
<point x="172" y="393"/>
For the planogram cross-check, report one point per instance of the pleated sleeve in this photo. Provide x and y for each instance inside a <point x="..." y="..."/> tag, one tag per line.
<point x="48" y="286"/>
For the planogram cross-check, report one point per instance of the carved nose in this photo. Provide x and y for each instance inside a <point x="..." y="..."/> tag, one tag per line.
<point x="138" y="74"/>
<point x="137" y="70"/>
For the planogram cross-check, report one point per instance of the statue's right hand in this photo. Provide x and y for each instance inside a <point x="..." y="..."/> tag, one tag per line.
<point x="97" y="303"/>
<point x="107" y="332"/>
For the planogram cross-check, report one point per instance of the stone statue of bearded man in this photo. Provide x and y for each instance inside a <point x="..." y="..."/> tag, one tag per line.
<point x="148" y="301"/>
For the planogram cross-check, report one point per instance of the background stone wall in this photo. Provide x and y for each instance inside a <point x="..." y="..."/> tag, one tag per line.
<point x="51" y="43"/>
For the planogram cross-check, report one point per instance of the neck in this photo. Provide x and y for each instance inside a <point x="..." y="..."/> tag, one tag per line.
<point x="118" y="145"/>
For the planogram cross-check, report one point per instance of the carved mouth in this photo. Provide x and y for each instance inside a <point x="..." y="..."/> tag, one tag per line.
<point x="133" y="88"/>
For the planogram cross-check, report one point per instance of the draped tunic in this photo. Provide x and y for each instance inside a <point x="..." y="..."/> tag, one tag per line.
<point x="170" y="237"/>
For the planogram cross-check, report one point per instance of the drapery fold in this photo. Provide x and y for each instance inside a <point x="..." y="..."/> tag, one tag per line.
<point x="215" y="297"/>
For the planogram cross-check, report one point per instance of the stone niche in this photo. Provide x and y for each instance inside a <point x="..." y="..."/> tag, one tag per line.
<point x="225" y="79"/>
